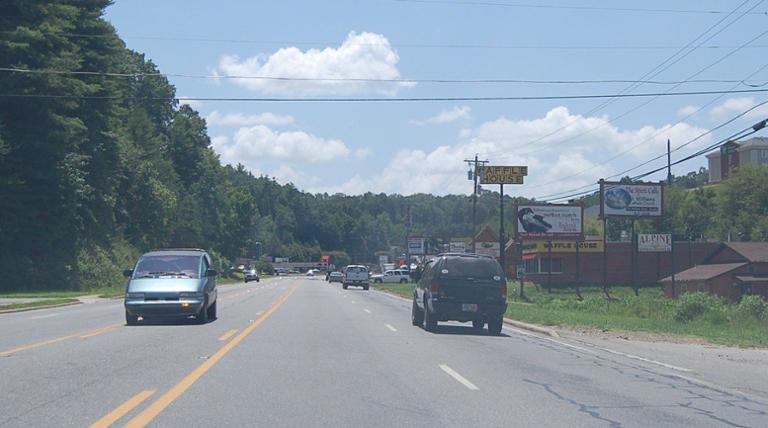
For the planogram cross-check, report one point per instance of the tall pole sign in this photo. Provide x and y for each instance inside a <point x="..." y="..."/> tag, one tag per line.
<point x="502" y="175"/>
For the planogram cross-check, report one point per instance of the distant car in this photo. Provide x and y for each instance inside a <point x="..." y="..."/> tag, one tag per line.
<point x="391" y="276"/>
<point x="311" y="272"/>
<point x="171" y="283"/>
<point x="336" y="277"/>
<point x="251" y="275"/>
<point x="356" y="275"/>
<point x="240" y="268"/>
<point x="461" y="288"/>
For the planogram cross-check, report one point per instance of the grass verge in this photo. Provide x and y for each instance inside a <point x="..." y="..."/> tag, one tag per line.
<point x="717" y="322"/>
<point x="37" y="303"/>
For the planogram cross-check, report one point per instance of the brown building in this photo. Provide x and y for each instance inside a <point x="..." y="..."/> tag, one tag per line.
<point x="733" y="270"/>
<point x="728" y="158"/>
<point x="595" y="263"/>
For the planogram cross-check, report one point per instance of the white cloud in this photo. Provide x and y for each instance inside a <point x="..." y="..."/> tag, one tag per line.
<point x="554" y="164"/>
<point x="195" y="104"/>
<point x="688" y="110"/>
<point x="252" y="145"/>
<point x="360" y="56"/>
<point x="447" y="116"/>
<point x="240" y="119"/>
<point x="363" y="153"/>
<point x="734" y="106"/>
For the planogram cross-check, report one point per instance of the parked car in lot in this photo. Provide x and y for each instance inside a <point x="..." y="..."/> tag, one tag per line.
<point x="391" y="276"/>
<point x="461" y="287"/>
<point x="356" y="275"/>
<point x="251" y="275"/>
<point x="336" y="277"/>
<point x="171" y="283"/>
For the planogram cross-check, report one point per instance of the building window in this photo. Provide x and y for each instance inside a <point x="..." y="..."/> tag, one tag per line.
<point x="532" y="266"/>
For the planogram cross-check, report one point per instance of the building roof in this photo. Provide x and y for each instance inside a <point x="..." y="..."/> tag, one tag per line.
<point x="757" y="142"/>
<point x="752" y="279"/>
<point x="752" y="251"/>
<point x="704" y="272"/>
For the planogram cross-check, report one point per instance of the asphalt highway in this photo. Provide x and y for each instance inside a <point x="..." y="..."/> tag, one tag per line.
<point x="289" y="352"/>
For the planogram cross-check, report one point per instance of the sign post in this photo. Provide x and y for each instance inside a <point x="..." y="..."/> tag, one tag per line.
<point x="502" y="175"/>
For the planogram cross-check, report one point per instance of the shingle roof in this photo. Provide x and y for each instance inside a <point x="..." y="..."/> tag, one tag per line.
<point x="752" y="251"/>
<point x="704" y="272"/>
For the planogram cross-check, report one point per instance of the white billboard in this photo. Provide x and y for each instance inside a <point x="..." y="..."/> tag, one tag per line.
<point x="415" y="246"/>
<point x="487" y="249"/>
<point x="631" y="200"/>
<point x="458" y="246"/>
<point x="654" y="242"/>
<point x="549" y="221"/>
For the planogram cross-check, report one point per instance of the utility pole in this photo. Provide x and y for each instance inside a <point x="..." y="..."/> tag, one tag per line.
<point x="671" y="233"/>
<point x="669" y="164"/>
<point x="473" y="164"/>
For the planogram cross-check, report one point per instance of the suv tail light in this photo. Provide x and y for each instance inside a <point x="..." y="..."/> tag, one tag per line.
<point x="434" y="288"/>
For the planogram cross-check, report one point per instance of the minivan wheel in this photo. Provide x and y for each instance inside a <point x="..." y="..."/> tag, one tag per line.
<point x="212" y="310"/>
<point x="344" y="286"/>
<point x="494" y="326"/>
<point x="365" y="287"/>
<point x="417" y="315"/>
<point x="131" y="319"/>
<point x="430" y="320"/>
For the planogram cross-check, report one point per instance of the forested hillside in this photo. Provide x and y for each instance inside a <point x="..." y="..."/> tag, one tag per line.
<point x="112" y="166"/>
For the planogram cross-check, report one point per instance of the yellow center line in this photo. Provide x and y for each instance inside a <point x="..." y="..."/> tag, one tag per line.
<point x="101" y="331"/>
<point x="259" y="313"/>
<point x="146" y="416"/>
<point x="123" y="409"/>
<point x="228" y="334"/>
<point x="56" y="340"/>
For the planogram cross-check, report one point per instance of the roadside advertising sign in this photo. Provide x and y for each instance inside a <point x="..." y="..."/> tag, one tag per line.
<point x="549" y="221"/>
<point x="631" y="200"/>
<point x="458" y="246"/>
<point x="502" y="174"/>
<point x="564" y="247"/>
<point x="487" y="248"/>
<point x="415" y="246"/>
<point x="654" y="242"/>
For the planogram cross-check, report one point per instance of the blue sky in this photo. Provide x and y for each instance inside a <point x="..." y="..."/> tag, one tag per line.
<point x="397" y="147"/>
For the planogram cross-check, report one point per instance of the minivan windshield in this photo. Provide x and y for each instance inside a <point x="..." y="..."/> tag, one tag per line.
<point x="167" y="265"/>
<point x="471" y="268"/>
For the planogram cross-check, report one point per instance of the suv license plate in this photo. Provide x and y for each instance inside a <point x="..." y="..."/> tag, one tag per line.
<point x="469" y="307"/>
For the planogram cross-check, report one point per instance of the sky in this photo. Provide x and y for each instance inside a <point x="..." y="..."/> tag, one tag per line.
<point x="396" y="49"/>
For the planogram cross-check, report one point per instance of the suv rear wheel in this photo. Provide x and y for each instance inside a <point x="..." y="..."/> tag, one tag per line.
<point x="131" y="319"/>
<point x="494" y="325"/>
<point x="430" y="320"/>
<point x="417" y="315"/>
<point x="478" y="324"/>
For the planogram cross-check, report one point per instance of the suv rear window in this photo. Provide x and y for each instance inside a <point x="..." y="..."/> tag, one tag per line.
<point x="356" y="269"/>
<point x="471" y="267"/>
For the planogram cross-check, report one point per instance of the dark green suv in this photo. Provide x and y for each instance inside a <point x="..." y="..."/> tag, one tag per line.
<point x="171" y="283"/>
<point x="461" y="287"/>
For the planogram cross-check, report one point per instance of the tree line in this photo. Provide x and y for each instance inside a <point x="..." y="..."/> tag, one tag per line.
<point x="96" y="169"/>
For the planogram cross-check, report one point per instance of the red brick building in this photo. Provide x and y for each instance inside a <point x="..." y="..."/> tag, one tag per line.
<point x="733" y="270"/>
<point x="587" y="267"/>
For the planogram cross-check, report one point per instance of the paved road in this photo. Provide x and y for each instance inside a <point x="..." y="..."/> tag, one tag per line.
<point x="300" y="352"/>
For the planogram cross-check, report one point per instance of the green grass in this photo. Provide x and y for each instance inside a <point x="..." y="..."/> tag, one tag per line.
<point x="36" y="304"/>
<point x="649" y="312"/>
<point x="101" y="292"/>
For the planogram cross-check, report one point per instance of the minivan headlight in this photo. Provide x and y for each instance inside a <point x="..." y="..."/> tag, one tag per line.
<point x="134" y="295"/>
<point x="190" y="295"/>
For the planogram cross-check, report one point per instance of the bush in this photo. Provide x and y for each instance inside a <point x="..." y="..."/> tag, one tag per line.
<point x="265" y="267"/>
<point x="102" y="267"/>
<point x="693" y="305"/>
<point x="752" y="307"/>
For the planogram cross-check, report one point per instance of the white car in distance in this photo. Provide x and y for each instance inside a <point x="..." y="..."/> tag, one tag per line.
<point x="391" y="276"/>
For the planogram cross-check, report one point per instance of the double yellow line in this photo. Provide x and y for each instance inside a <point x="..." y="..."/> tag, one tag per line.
<point x="154" y="409"/>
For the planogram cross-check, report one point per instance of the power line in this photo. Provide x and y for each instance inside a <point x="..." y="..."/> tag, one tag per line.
<point x="565" y="7"/>
<point x="393" y="44"/>
<point x="360" y="79"/>
<point x="394" y="99"/>
<point x="655" y="71"/>
<point x="661" y="132"/>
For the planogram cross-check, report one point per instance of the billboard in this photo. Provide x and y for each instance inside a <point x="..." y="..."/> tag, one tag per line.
<point x="487" y="248"/>
<point x="654" y="242"/>
<point x="549" y="221"/>
<point x="502" y="174"/>
<point x="631" y="200"/>
<point x="415" y="246"/>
